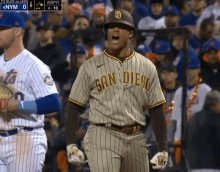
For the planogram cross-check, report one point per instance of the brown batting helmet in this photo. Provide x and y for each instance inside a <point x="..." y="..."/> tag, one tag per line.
<point x="118" y="16"/>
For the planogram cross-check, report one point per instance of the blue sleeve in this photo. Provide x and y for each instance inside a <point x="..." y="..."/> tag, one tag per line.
<point x="44" y="105"/>
<point x="48" y="104"/>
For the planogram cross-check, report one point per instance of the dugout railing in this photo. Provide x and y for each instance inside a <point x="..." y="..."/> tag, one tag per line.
<point x="167" y="33"/>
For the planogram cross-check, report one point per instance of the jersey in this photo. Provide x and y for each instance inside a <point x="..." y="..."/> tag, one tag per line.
<point x="203" y="89"/>
<point x="31" y="80"/>
<point x="119" y="92"/>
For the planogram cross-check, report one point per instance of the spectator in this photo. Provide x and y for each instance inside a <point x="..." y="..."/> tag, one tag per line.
<point x="154" y="19"/>
<point x="178" y="42"/>
<point x="172" y="16"/>
<point x="70" y="13"/>
<point x="205" y="33"/>
<point x="163" y="53"/>
<point x="196" y="93"/>
<point x="107" y="3"/>
<point x="98" y="16"/>
<point x="202" y="136"/>
<point x="55" y="19"/>
<point x="146" y="51"/>
<point x="182" y="5"/>
<point x="137" y="39"/>
<point x="48" y="51"/>
<point x="211" y="65"/>
<point x="169" y="86"/>
<point x="30" y="35"/>
<point x="38" y="17"/>
<point x="171" y="20"/>
<point x="213" y="12"/>
<point x="189" y="20"/>
<point x="129" y="5"/>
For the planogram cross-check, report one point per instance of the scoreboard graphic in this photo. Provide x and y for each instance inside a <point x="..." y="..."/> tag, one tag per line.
<point x="30" y="5"/>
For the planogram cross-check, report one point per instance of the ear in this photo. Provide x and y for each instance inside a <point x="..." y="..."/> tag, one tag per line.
<point x="206" y="57"/>
<point x="19" y="32"/>
<point x="176" y="74"/>
<point x="131" y="34"/>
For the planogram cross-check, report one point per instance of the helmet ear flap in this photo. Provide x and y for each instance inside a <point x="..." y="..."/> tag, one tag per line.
<point x="105" y="30"/>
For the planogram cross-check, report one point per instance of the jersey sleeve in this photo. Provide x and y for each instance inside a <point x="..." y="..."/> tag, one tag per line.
<point x="80" y="91"/>
<point x="41" y="81"/>
<point x="156" y="96"/>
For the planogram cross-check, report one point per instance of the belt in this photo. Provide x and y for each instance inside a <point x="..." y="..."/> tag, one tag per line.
<point x="13" y="132"/>
<point x="127" y="130"/>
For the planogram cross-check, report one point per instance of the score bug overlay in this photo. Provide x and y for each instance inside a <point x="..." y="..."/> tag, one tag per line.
<point x="30" y="5"/>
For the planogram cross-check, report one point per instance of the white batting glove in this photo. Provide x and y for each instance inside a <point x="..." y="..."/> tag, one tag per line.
<point x="159" y="161"/>
<point x="75" y="156"/>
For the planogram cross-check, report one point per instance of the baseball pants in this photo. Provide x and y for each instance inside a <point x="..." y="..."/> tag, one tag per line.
<point x="112" y="151"/>
<point x="23" y="152"/>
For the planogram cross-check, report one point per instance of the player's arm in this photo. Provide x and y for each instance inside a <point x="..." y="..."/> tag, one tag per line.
<point x="42" y="86"/>
<point x="155" y="105"/>
<point x="78" y="98"/>
<point x="44" y="105"/>
<point x="159" y="127"/>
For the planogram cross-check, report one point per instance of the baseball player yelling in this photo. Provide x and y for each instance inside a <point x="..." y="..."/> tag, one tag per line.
<point x="120" y="85"/>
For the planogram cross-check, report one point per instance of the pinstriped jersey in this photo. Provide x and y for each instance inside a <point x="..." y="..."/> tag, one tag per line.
<point x="118" y="92"/>
<point x="31" y="79"/>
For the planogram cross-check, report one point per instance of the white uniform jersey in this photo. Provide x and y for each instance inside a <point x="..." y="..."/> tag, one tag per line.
<point x="203" y="89"/>
<point x="150" y="23"/>
<point x="31" y="79"/>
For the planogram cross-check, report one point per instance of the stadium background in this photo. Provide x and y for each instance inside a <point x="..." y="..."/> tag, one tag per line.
<point x="65" y="39"/>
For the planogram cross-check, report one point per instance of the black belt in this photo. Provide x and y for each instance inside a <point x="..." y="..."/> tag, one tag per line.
<point x="13" y="132"/>
<point x="127" y="130"/>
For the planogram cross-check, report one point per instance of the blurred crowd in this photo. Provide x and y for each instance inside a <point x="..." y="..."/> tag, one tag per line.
<point x="65" y="39"/>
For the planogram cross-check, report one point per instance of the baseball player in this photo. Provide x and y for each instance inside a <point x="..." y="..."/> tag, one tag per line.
<point x="23" y="142"/>
<point x="120" y="85"/>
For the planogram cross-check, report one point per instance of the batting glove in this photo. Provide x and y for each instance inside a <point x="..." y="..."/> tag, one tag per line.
<point x="159" y="161"/>
<point x="75" y="156"/>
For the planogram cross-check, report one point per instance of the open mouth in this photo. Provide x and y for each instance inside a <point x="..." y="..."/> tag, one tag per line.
<point x="115" y="38"/>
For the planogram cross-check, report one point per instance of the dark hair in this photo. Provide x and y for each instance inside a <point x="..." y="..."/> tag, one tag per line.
<point x="168" y="58"/>
<point x="206" y="22"/>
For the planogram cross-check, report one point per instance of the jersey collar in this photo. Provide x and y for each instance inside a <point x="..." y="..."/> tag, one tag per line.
<point x="118" y="59"/>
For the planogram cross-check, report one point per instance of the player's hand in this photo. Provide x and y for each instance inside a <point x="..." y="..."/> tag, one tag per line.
<point x="75" y="156"/>
<point x="159" y="161"/>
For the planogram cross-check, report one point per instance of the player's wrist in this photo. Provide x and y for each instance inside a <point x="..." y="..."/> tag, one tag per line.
<point x="12" y="105"/>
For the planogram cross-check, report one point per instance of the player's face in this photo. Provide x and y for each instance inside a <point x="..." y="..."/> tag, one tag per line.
<point x="99" y="19"/>
<point x="81" y="58"/>
<point x="81" y="24"/>
<point x="178" y="42"/>
<point x="44" y="35"/>
<point x="168" y="76"/>
<point x="160" y="57"/>
<point x="198" y="5"/>
<point x="171" y="20"/>
<point x="118" y="36"/>
<point x="157" y="8"/>
<point x="127" y="5"/>
<point x="7" y="37"/>
<point x="213" y="57"/>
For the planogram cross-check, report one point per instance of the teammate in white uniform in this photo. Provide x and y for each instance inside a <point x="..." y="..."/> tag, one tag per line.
<point x="23" y="142"/>
<point x="196" y="94"/>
